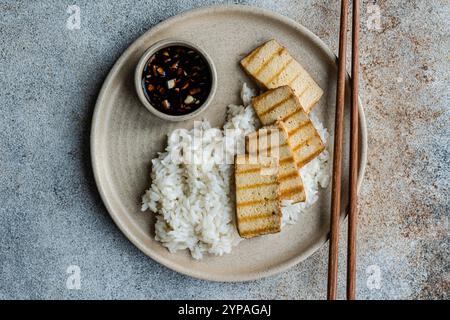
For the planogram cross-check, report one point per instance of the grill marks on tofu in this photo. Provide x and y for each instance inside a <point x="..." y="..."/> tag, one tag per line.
<point x="271" y="66"/>
<point x="284" y="108"/>
<point x="273" y="142"/>
<point x="258" y="208"/>
<point x="271" y="62"/>
<point x="282" y="104"/>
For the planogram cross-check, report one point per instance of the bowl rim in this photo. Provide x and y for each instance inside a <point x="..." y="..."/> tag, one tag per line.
<point x="140" y="68"/>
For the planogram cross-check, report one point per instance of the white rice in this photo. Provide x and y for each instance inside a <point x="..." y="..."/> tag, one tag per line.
<point x="190" y="191"/>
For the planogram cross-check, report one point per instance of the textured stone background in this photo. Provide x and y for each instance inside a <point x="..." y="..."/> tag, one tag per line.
<point x="51" y="215"/>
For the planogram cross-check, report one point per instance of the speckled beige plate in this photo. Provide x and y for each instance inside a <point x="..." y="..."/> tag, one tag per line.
<point x="125" y="136"/>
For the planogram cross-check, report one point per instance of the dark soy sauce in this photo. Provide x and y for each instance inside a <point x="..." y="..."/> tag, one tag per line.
<point x="176" y="80"/>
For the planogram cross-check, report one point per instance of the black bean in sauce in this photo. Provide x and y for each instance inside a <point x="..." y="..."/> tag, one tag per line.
<point x="176" y="80"/>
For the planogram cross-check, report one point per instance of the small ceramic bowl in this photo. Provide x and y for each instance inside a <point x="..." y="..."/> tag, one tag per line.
<point x="140" y="68"/>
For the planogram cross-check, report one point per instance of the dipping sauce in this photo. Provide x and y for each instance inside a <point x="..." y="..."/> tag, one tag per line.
<point x="176" y="80"/>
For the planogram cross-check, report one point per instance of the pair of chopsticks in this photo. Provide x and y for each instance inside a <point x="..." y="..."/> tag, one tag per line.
<point x="337" y="157"/>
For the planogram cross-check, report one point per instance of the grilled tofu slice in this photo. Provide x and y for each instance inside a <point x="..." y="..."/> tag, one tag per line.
<point x="282" y="104"/>
<point x="271" y="66"/>
<point x="273" y="142"/>
<point x="258" y="207"/>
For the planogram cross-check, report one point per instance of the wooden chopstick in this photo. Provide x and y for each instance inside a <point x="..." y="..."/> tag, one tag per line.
<point x="353" y="197"/>
<point x="337" y="156"/>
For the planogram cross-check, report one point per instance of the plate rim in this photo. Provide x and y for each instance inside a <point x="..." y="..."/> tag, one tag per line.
<point x="243" y="277"/>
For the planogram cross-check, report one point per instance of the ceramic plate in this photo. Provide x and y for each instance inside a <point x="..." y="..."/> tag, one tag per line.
<point x="126" y="136"/>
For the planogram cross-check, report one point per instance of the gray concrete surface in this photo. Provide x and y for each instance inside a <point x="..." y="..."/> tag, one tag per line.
<point x="51" y="216"/>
